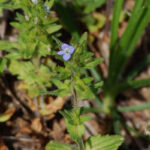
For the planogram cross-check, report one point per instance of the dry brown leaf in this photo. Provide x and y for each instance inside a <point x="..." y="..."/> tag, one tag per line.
<point x="2" y="145"/>
<point x="53" y="107"/>
<point x="24" y="126"/>
<point x="36" y="125"/>
<point x="58" y="132"/>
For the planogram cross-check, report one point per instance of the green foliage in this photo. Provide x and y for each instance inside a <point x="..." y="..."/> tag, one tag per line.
<point x="120" y="52"/>
<point x="74" y="123"/>
<point x="103" y="142"/>
<point x="3" y="62"/>
<point x="33" y="79"/>
<point x="93" y="143"/>
<point x="115" y="25"/>
<point x="83" y="8"/>
<point x="142" y="106"/>
<point x="128" y="41"/>
<point x="75" y="69"/>
<point x="53" y="145"/>
<point x="87" y="6"/>
<point x="33" y="59"/>
<point x="34" y="45"/>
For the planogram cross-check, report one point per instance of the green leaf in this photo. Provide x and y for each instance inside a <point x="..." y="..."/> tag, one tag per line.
<point x="83" y="39"/>
<point x="115" y="25"/>
<point x="83" y="90"/>
<point x="85" y="118"/>
<point x="96" y="74"/>
<point x="134" y="108"/>
<point x="5" y="45"/>
<point x="54" y="145"/>
<point x="3" y="62"/>
<point x="98" y="84"/>
<point x="88" y="80"/>
<point x="133" y="84"/>
<point x="76" y="131"/>
<point x="44" y="49"/>
<point x="74" y="123"/>
<point x="92" y="5"/>
<point x="50" y="3"/>
<point x="53" y="28"/>
<point x="93" y="63"/>
<point x="137" y="23"/>
<point x="106" y="142"/>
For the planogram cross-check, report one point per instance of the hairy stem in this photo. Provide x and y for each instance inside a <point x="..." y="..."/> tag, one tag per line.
<point x="74" y="93"/>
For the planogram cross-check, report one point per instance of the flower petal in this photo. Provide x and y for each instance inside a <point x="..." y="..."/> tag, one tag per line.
<point x="61" y="52"/>
<point x="66" y="57"/>
<point x="71" y="48"/>
<point x="64" y="46"/>
<point x="46" y="8"/>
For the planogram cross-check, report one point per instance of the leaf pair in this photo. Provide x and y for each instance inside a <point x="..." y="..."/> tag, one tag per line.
<point x="93" y="143"/>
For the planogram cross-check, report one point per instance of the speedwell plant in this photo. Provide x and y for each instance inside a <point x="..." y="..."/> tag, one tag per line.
<point x="33" y="58"/>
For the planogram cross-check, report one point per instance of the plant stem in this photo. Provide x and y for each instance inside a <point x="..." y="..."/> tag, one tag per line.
<point x="81" y="144"/>
<point x="109" y="101"/>
<point x="74" y="93"/>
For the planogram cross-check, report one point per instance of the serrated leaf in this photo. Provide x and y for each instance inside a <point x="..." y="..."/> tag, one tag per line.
<point x="4" y="45"/>
<point x="44" y="49"/>
<point x="76" y="131"/>
<point x="83" y="38"/>
<point x="74" y="125"/>
<point x="54" y="145"/>
<point x="83" y="90"/>
<point x="50" y="3"/>
<point x="98" y="84"/>
<point x="59" y="92"/>
<point x="53" y="28"/>
<point x="103" y="142"/>
<point x="85" y="118"/>
<point x="93" y="63"/>
<point x="88" y="80"/>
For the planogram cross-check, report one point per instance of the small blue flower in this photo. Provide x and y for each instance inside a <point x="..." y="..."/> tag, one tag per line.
<point x="66" y="51"/>
<point x="46" y="8"/>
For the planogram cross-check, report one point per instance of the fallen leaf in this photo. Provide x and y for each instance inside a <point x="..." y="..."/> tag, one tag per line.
<point x="36" y="125"/>
<point x="53" y="107"/>
<point x="7" y="114"/>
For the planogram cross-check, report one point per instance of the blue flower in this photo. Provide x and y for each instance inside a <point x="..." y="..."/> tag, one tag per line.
<point x="46" y="8"/>
<point x="66" y="51"/>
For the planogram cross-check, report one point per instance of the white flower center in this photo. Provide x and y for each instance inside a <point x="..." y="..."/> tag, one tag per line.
<point x="67" y="51"/>
<point x="35" y="1"/>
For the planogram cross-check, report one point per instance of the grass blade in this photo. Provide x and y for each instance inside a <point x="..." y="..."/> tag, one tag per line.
<point x="115" y="25"/>
<point x="135" y="107"/>
<point x="135" y="28"/>
<point x="134" y="84"/>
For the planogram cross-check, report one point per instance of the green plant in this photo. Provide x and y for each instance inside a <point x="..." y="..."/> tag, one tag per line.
<point x="29" y="57"/>
<point x="121" y="51"/>
<point x="72" y="79"/>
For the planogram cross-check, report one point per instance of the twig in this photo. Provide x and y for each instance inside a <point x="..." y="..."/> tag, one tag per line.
<point x="20" y="139"/>
<point x="15" y="100"/>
